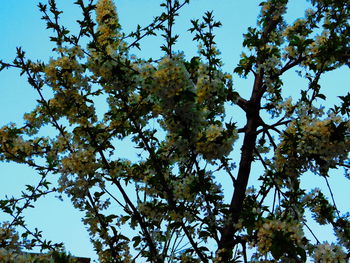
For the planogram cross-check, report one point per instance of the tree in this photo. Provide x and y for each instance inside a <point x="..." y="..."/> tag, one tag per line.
<point x="11" y="245"/>
<point x="175" y="112"/>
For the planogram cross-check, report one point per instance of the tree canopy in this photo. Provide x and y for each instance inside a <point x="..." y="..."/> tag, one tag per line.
<point x="177" y="113"/>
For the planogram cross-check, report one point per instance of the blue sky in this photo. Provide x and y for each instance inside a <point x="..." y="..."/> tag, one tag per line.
<point x="20" y="25"/>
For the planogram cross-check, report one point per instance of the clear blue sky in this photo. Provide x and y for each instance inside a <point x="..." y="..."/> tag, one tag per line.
<point x="20" y="25"/>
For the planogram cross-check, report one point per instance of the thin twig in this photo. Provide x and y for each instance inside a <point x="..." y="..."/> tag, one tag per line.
<point x="332" y="196"/>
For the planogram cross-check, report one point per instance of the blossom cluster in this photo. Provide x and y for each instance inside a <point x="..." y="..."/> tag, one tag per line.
<point x="107" y="19"/>
<point x="307" y="140"/>
<point x="329" y="253"/>
<point x="267" y="234"/>
<point x="189" y="108"/>
<point x="214" y="142"/>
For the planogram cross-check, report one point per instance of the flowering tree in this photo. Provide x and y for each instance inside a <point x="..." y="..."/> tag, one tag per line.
<point x="175" y="112"/>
